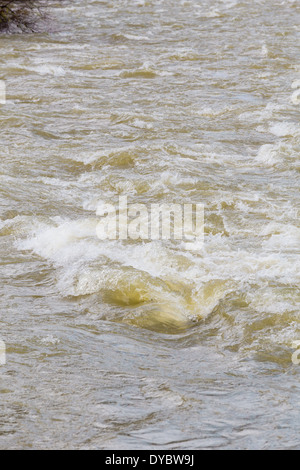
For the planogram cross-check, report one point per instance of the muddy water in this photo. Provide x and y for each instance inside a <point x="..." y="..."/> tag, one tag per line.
<point x="130" y="344"/>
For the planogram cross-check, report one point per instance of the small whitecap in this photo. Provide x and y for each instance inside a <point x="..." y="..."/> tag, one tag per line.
<point x="44" y="69"/>
<point x="50" y="340"/>
<point x="295" y="98"/>
<point x="296" y="84"/>
<point x="268" y="155"/>
<point x="264" y="51"/>
<point x="284" y="129"/>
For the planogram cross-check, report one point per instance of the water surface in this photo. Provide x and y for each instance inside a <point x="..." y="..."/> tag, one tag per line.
<point x="139" y="345"/>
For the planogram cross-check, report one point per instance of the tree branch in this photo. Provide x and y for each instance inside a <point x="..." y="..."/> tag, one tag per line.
<point x="20" y="14"/>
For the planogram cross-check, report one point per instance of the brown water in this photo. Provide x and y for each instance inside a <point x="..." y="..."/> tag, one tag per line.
<point x="122" y="344"/>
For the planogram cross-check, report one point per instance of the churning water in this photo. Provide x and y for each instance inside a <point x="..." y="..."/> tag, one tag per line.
<point x="131" y="344"/>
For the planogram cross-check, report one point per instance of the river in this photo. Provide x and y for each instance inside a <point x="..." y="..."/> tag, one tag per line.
<point x="130" y="344"/>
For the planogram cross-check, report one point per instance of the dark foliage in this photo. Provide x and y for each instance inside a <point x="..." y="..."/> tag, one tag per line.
<point x="20" y="15"/>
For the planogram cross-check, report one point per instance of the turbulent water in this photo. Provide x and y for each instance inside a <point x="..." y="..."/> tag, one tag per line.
<point x="139" y="345"/>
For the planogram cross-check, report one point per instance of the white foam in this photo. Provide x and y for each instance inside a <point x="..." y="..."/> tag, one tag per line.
<point x="284" y="129"/>
<point x="268" y="155"/>
<point x="296" y="84"/>
<point x="295" y="98"/>
<point x="56" y="242"/>
<point x="264" y="51"/>
<point x="136" y="37"/>
<point x="282" y="237"/>
<point x="45" y="69"/>
<point x="50" y="340"/>
<point x="182" y="284"/>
